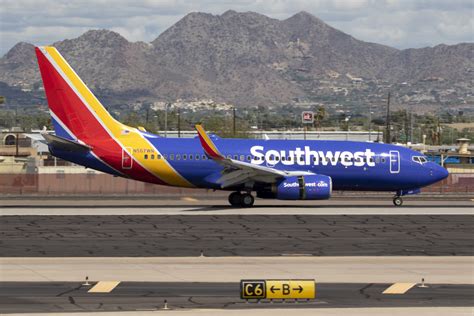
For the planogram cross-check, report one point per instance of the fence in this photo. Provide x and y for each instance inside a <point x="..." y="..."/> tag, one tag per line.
<point x="103" y="184"/>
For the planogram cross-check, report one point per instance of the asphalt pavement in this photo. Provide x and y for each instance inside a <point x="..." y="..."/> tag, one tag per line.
<point x="236" y="235"/>
<point x="22" y="297"/>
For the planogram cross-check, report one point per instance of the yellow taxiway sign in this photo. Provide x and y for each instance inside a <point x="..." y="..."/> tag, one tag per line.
<point x="277" y="289"/>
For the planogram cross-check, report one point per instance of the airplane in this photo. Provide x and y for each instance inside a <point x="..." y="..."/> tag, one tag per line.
<point x="86" y="134"/>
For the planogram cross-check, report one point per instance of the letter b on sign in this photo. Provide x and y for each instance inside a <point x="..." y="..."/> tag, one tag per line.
<point x="285" y="289"/>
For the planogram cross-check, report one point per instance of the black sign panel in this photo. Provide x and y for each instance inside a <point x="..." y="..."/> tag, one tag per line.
<point x="255" y="289"/>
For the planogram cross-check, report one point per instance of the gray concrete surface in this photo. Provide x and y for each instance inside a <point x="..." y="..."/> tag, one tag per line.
<point x="452" y="269"/>
<point x="72" y="296"/>
<point x="236" y="235"/>
<point x="193" y="206"/>
<point x="361" y="311"/>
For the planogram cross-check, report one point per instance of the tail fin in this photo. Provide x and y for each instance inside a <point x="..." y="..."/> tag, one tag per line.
<point x="76" y="112"/>
<point x="79" y="117"/>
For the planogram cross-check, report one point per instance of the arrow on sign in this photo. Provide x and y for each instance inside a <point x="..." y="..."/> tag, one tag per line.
<point x="300" y="289"/>
<point x="273" y="289"/>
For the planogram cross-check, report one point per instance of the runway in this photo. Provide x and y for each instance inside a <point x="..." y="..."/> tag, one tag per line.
<point x="73" y="296"/>
<point x="196" y="206"/>
<point x="236" y="235"/>
<point x="193" y="253"/>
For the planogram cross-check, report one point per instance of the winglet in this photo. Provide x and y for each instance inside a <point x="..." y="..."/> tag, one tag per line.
<point x="207" y="144"/>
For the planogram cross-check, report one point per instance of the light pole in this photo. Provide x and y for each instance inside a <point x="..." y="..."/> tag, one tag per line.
<point x="155" y="122"/>
<point x="166" y="120"/>
<point x="370" y="125"/>
<point x="179" y="123"/>
<point x="233" y="121"/>
<point x="347" y="124"/>
<point x="387" y="121"/>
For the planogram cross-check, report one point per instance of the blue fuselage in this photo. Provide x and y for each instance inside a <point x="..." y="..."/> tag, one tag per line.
<point x="351" y="165"/>
<point x="388" y="167"/>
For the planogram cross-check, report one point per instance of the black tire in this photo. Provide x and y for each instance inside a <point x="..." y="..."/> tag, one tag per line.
<point x="397" y="201"/>
<point x="234" y="198"/>
<point x="247" y="200"/>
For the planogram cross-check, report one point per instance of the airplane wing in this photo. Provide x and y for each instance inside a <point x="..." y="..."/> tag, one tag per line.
<point x="236" y="171"/>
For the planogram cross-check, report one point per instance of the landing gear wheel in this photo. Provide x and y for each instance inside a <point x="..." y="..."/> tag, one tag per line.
<point x="246" y="200"/>
<point x="397" y="201"/>
<point x="234" y="198"/>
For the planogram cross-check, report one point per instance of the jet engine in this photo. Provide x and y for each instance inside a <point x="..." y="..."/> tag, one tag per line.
<point x="314" y="187"/>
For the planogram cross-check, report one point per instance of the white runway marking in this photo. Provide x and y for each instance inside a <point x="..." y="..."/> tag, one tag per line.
<point x="219" y="210"/>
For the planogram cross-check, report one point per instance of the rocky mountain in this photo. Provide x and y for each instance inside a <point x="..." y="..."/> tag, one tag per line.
<point x="242" y="58"/>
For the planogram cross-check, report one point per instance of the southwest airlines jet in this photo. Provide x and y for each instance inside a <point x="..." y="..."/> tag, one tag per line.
<point x="86" y="134"/>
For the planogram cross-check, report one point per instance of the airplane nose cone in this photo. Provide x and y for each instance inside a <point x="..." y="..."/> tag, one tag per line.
<point x="440" y="173"/>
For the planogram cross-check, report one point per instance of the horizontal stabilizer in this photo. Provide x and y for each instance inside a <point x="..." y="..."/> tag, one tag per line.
<point x="60" y="143"/>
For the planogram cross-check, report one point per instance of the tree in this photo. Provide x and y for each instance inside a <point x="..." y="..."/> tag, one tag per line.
<point x="319" y="116"/>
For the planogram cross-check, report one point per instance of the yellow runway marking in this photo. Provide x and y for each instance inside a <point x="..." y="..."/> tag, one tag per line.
<point x="189" y="199"/>
<point x="398" y="288"/>
<point x="104" y="287"/>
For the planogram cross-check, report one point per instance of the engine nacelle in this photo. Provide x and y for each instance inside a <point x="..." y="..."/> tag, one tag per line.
<point x="315" y="187"/>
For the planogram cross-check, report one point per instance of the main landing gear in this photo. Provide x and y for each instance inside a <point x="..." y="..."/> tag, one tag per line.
<point x="397" y="200"/>
<point x="241" y="199"/>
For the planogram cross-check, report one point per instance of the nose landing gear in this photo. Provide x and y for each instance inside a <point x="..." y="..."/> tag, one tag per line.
<point x="397" y="201"/>
<point x="241" y="199"/>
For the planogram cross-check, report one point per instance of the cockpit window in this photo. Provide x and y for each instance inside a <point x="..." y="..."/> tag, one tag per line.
<point x="419" y="159"/>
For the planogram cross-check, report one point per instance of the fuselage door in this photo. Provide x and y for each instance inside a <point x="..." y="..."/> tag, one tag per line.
<point x="394" y="161"/>
<point x="127" y="160"/>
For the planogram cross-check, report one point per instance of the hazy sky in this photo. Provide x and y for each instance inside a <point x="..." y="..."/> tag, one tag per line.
<point x="398" y="23"/>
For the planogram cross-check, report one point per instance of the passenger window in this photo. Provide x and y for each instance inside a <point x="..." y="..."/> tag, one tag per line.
<point x="301" y="158"/>
<point x="197" y="157"/>
<point x="172" y="156"/>
<point x="185" y="156"/>
<point x="178" y="157"/>
<point x="165" y="156"/>
<point x="248" y="158"/>
<point x="229" y="156"/>
<point x="146" y="156"/>
<point x="242" y="157"/>
<point x="204" y="157"/>
<point x="383" y="160"/>
<point x="152" y="156"/>
<point x="158" y="156"/>
<point x="190" y="157"/>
